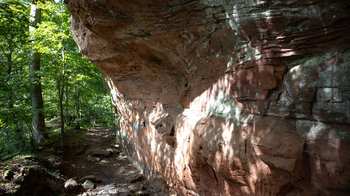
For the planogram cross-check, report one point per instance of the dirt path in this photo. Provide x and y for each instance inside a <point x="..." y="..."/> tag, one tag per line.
<point x="97" y="154"/>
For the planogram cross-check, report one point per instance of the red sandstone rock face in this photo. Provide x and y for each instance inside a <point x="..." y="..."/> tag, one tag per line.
<point x="228" y="97"/>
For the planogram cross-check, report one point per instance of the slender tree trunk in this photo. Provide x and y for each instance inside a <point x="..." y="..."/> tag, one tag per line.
<point x="62" y="117"/>
<point x="61" y="95"/>
<point x="66" y="94"/>
<point x="77" y="107"/>
<point x="38" y="120"/>
<point x="9" y="72"/>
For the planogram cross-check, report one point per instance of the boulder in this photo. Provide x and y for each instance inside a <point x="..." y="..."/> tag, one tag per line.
<point x="70" y="184"/>
<point x="88" y="184"/>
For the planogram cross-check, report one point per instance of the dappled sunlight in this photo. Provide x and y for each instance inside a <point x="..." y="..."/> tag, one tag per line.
<point x="212" y="97"/>
<point x="224" y="112"/>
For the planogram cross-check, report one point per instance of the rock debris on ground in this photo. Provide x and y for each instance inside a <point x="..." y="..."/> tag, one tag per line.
<point x="88" y="163"/>
<point x="100" y="166"/>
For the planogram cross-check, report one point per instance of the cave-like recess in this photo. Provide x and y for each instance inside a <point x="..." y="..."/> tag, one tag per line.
<point x="227" y="97"/>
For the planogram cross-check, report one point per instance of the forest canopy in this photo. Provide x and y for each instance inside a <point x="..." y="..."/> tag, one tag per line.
<point x="72" y="89"/>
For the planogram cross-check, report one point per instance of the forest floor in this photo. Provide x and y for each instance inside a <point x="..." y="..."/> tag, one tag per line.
<point x="99" y="158"/>
<point x="88" y="163"/>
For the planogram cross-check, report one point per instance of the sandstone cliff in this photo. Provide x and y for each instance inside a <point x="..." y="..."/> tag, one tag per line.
<point x="228" y="97"/>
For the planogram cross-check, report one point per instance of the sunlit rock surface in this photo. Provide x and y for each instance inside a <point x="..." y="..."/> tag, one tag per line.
<point x="228" y="97"/>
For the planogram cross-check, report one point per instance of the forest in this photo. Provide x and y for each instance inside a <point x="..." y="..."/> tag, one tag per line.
<point x="46" y="86"/>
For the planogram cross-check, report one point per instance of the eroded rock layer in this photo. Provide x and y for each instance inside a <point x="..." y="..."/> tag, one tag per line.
<point x="228" y="97"/>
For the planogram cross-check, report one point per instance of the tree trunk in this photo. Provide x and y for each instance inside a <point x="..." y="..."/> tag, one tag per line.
<point x="61" y="96"/>
<point x="38" y="120"/>
<point x="77" y="107"/>
<point x="68" y="115"/>
<point x="9" y="72"/>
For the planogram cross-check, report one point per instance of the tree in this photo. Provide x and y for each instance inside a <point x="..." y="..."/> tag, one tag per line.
<point x="72" y="87"/>
<point x="60" y="87"/>
<point x="38" y="119"/>
<point x="15" y="128"/>
<point x="12" y="41"/>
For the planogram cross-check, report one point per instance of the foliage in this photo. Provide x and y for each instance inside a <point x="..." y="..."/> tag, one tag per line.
<point x="86" y="101"/>
<point x="14" y="82"/>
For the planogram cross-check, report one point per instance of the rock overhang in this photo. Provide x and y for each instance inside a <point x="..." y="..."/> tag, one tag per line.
<point x="227" y="95"/>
